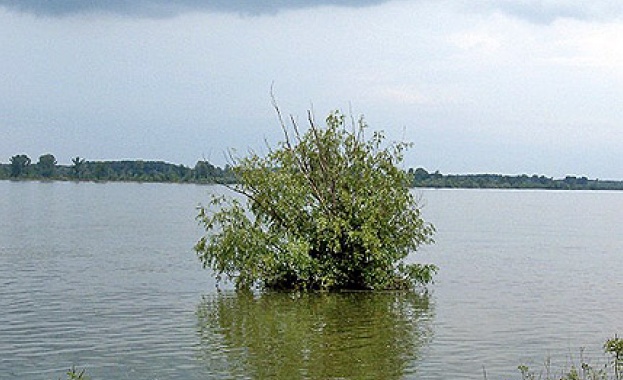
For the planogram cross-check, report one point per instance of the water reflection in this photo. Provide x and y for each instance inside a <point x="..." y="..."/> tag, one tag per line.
<point x="313" y="336"/>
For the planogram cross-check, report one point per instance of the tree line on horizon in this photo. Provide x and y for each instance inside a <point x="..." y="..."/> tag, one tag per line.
<point x="422" y="178"/>
<point x="21" y="167"/>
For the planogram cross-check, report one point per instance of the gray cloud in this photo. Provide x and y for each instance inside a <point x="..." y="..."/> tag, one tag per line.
<point x="169" y="8"/>
<point x="535" y="11"/>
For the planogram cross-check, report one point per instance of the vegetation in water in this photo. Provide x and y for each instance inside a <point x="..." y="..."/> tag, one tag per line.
<point x="584" y="370"/>
<point x="614" y="347"/>
<point x="327" y="209"/>
<point x="74" y="374"/>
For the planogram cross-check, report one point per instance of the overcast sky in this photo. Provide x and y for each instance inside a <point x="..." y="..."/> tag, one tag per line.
<point x="511" y="87"/>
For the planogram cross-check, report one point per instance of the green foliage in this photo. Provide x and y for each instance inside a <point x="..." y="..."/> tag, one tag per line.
<point x="19" y="165"/>
<point x="422" y="178"/>
<point x="329" y="210"/>
<point x="127" y="170"/>
<point x="100" y="171"/>
<point x="614" y="347"/>
<point x="77" y="167"/>
<point x="204" y="171"/>
<point x="46" y="165"/>
<point x="75" y="374"/>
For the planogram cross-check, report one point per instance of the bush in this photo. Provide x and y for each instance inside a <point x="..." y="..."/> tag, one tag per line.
<point x="329" y="209"/>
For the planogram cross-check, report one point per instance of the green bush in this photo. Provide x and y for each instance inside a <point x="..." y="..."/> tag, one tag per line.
<point x="327" y="209"/>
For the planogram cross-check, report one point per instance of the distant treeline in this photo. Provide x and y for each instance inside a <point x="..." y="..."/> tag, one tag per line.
<point x="46" y="168"/>
<point x="422" y="178"/>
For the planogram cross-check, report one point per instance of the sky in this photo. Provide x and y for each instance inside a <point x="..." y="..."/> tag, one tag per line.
<point x="491" y="86"/>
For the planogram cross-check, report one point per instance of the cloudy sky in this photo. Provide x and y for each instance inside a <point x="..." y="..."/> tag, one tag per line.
<point x="496" y="86"/>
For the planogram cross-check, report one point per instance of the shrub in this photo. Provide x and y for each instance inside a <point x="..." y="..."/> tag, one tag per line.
<point x="327" y="209"/>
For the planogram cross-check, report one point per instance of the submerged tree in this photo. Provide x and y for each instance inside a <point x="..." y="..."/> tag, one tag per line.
<point x="329" y="209"/>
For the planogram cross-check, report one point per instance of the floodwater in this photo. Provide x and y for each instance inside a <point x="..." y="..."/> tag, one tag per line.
<point x="103" y="276"/>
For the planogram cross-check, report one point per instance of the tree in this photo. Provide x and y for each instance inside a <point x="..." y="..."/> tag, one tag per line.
<point x="330" y="210"/>
<point x="101" y="170"/>
<point x="77" y="167"/>
<point x="19" y="165"/>
<point x="46" y="165"/>
<point x="204" y="170"/>
<point x="420" y="175"/>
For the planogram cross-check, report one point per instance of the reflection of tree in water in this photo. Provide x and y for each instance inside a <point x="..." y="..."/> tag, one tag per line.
<point x="313" y="336"/>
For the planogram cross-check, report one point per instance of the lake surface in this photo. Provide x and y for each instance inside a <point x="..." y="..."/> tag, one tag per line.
<point x="103" y="276"/>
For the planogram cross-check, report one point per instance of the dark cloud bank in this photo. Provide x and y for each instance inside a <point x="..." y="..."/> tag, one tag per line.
<point x="536" y="11"/>
<point x="169" y="8"/>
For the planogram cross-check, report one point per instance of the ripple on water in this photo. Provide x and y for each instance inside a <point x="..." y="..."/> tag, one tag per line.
<point x="103" y="277"/>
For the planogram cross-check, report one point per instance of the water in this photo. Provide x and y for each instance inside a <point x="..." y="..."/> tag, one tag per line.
<point x="321" y="336"/>
<point x="103" y="276"/>
<point x="525" y="275"/>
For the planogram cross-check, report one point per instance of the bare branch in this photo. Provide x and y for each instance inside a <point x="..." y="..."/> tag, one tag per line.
<point x="233" y="161"/>
<point x="280" y="117"/>
<point x="321" y="155"/>
<point x="322" y="159"/>
<point x="270" y="149"/>
<point x="268" y="208"/>
<point x="353" y="124"/>
<point x="295" y="126"/>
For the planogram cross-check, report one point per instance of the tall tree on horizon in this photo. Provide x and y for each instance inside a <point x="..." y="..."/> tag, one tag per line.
<point x="77" y="167"/>
<point x="19" y="165"/>
<point x="47" y="165"/>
